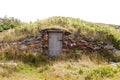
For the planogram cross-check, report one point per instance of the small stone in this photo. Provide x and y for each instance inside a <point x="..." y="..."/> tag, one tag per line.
<point x="23" y="47"/>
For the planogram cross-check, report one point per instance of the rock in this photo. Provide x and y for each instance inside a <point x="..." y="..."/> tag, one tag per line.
<point x="38" y="38"/>
<point x="116" y="51"/>
<point x="9" y="64"/>
<point x="109" y="47"/>
<point x="30" y="39"/>
<point x="83" y="41"/>
<point x="23" y="47"/>
<point x="36" y="42"/>
<point x="96" y="48"/>
<point x="113" y="64"/>
<point x="80" y="42"/>
<point x="14" y="43"/>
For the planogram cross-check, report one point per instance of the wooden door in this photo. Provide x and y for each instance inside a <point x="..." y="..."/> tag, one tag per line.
<point x="55" y="44"/>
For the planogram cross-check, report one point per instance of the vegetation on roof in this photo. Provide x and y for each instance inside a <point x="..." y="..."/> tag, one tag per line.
<point x="79" y="65"/>
<point x="75" y="25"/>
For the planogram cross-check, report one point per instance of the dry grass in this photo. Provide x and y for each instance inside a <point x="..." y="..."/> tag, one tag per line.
<point x="71" y="24"/>
<point x="65" y="67"/>
<point x="68" y="66"/>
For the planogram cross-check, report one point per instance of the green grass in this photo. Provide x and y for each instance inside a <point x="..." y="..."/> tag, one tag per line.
<point x="102" y="72"/>
<point x="61" y="70"/>
<point x="7" y="23"/>
<point x="68" y="66"/>
<point x="64" y="67"/>
<point x="75" y="25"/>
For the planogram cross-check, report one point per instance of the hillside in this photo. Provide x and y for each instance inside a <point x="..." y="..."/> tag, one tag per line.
<point x="89" y="54"/>
<point x="109" y="34"/>
<point x="109" y="25"/>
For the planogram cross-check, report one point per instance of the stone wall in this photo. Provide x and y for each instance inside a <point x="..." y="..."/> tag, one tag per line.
<point x="39" y="44"/>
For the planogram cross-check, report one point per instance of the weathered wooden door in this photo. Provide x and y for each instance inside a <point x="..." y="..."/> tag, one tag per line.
<point x="55" y="44"/>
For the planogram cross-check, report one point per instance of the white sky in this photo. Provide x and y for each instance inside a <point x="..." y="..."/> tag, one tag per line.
<point x="104" y="11"/>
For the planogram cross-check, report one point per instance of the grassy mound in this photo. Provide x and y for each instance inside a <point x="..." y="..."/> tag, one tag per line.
<point x="75" y="25"/>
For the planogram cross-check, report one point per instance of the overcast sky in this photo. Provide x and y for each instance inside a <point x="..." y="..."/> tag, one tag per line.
<point x="103" y="11"/>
